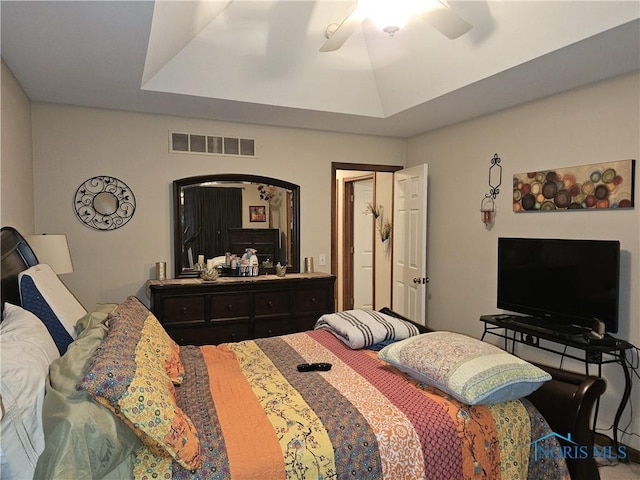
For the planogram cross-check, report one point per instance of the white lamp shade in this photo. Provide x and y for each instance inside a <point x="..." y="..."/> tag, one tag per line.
<point x="52" y="250"/>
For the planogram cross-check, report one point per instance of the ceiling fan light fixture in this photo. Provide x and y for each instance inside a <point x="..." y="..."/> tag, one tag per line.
<point x="390" y="29"/>
<point x="391" y="15"/>
<point x="388" y="15"/>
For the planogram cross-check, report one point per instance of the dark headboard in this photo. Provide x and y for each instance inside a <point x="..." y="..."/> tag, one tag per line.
<point x="265" y="240"/>
<point x="17" y="256"/>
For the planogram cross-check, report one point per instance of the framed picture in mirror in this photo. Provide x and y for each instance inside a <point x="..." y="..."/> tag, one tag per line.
<point x="257" y="213"/>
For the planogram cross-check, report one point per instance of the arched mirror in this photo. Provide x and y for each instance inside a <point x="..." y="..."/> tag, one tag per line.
<point x="216" y="214"/>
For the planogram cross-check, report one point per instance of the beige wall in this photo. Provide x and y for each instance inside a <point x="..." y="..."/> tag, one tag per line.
<point x="72" y="144"/>
<point x="17" y="202"/>
<point x="382" y="272"/>
<point x="597" y="123"/>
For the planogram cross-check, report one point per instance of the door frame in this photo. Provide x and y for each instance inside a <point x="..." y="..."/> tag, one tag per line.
<point x="335" y="166"/>
<point x="348" y="240"/>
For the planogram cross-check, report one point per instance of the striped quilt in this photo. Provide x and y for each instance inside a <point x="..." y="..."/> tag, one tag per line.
<point x="259" y="418"/>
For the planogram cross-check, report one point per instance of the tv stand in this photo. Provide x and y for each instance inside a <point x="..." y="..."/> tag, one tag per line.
<point x="522" y="330"/>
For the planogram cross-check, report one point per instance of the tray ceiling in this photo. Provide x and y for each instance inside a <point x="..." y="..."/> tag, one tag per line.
<point x="258" y="61"/>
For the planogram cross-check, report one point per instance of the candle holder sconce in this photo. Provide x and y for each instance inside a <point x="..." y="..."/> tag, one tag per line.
<point x="488" y="206"/>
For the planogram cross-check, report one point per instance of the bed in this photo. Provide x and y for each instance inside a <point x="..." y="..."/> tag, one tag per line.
<point x="123" y="401"/>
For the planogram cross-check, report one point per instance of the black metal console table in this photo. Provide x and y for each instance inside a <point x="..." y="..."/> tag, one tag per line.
<point x="514" y="329"/>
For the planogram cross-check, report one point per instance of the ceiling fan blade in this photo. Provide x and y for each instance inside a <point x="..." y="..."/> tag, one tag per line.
<point x="343" y="31"/>
<point x="445" y="20"/>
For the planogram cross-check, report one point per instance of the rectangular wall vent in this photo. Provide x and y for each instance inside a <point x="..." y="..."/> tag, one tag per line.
<point x="211" y="145"/>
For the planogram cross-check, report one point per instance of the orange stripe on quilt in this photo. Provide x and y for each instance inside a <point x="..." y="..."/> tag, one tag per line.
<point x="248" y="434"/>
<point x="398" y="442"/>
<point x="304" y="442"/>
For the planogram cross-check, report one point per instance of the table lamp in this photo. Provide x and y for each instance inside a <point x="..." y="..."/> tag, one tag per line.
<point x="52" y="250"/>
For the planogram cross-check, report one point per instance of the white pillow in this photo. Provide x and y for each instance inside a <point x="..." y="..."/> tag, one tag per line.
<point x="44" y="294"/>
<point x="26" y="352"/>
<point x="472" y="371"/>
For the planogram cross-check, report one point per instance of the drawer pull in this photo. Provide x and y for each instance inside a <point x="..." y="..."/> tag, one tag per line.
<point x="184" y="310"/>
<point x="270" y="304"/>
<point x="230" y="307"/>
<point x="313" y="300"/>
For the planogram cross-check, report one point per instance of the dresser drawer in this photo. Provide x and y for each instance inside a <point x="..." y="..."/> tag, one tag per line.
<point x="277" y="326"/>
<point x="209" y="313"/>
<point x="305" y="323"/>
<point x="231" y="305"/>
<point x="311" y="300"/>
<point x="271" y="303"/>
<point x="210" y="334"/>
<point x="183" y="309"/>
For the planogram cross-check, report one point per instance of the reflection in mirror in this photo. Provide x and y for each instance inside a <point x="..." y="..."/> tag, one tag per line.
<point x="105" y="203"/>
<point x="219" y="214"/>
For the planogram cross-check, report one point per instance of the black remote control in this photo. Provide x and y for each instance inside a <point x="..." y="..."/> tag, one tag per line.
<point x="312" y="367"/>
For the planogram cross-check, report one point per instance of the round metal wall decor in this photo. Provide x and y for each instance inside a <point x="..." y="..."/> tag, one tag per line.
<point x="104" y="203"/>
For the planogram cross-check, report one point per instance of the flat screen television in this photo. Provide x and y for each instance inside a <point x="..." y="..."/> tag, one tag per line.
<point x="563" y="282"/>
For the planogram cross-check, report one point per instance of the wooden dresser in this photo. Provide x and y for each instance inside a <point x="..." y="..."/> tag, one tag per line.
<point x="195" y="312"/>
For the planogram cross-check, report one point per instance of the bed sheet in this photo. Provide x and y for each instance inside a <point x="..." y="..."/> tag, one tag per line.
<point x="259" y="418"/>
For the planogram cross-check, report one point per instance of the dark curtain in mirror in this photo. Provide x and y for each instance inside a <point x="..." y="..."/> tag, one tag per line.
<point x="209" y="213"/>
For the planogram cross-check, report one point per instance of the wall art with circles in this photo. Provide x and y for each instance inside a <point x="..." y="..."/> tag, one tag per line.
<point x="588" y="187"/>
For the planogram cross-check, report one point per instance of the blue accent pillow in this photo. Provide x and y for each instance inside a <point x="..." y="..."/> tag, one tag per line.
<point x="33" y="301"/>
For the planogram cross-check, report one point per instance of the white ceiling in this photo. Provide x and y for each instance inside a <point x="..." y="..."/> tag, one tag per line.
<point x="258" y="61"/>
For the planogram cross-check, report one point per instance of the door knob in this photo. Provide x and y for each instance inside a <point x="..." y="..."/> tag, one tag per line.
<point x="422" y="280"/>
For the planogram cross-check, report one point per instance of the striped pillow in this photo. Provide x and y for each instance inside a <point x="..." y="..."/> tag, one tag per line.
<point x="363" y="328"/>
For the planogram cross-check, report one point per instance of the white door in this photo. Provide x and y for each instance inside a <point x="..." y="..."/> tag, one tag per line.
<point x="363" y="236"/>
<point x="410" y="243"/>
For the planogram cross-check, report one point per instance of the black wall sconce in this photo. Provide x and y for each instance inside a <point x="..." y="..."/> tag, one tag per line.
<point x="488" y="206"/>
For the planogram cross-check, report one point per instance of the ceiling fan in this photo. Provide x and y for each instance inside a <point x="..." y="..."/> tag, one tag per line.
<point x="391" y="15"/>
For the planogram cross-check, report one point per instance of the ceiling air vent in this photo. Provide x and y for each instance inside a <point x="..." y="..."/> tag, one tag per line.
<point x="211" y="145"/>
